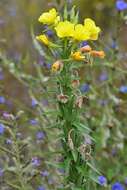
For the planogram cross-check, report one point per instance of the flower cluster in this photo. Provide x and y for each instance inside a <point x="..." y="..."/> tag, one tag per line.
<point x="68" y="29"/>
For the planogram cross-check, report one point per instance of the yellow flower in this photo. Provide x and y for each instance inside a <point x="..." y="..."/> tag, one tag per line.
<point x="80" y="33"/>
<point x="49" y="17"/>
<point x="43" y="38"/>
<point x="57" y="66"/>
<point x="93" y="30"/>
<point x="64" y="29"/>
<point x="77" y="56"/>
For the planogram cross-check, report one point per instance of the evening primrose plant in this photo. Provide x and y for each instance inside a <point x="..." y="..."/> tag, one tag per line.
<point x="66" y="49"/>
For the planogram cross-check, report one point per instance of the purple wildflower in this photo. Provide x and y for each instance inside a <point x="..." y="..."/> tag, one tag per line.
<point x="1" y="75"/>
<point x="1" y="172"/>
<point x="2" y="100"/>
<point x="2" y="128"/>
<point x="33" y="122"/>
<point x="85" y="88"/>
<point x="8" y="141"/>
<point x="123" y="89"/>
<point x="84" y="43"/>
<point x="35" y="161"/>
<point x="41" y="188"/>
<point x="117" y="186"/>
<point x="102" y="180"/>
<point x="121" y="5"/>
<point x="40" y="135"/>
<point x="34" y="103"/>
<point x="44" y="173"/>
<point x="103" y="76"/>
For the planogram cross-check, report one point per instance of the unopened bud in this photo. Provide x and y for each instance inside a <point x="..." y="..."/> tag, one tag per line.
<point x="85" y="49"/>
<point x="100" y="54"/>
<point x="57" y="66"/>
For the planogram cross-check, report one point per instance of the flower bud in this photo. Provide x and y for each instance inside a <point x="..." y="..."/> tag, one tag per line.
<point x="85" y="49"/>
<point x="43" y="38"/>
<point x="57" y="66"/>
<point x="100" y="54"/>
<point x="77" y="56"/>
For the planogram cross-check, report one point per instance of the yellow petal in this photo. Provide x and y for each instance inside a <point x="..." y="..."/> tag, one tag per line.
<point x="48" y="17"/>
<point x="91" y="27"/>
<point x="43" y="38"/>
<point x="64" y="29"/>
<point x="80" y="33"/>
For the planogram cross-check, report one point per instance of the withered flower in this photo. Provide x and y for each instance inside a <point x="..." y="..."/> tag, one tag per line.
<point x="75" y="83"/>
<point x="62" y="98"/>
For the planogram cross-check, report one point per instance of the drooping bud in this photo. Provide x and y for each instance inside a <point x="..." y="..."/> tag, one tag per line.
<point x="57" y="66"/>
<point x="77" y="56"/>
<point x="85" y="49"/>
<point x="100" y="54"/>
<point x="43" y="39"/>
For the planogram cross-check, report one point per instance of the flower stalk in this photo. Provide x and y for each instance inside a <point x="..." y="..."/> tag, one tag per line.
<point x="77" y="160"/>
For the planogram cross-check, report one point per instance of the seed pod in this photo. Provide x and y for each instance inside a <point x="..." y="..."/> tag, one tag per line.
<point x="70" y="142"/>
<point x="75" y="83"/>
<point x="79" y="101"/>
<point x="62" y="98"/>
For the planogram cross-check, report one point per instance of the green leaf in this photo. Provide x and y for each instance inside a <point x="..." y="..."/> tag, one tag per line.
<point x="75" y="155"/>
<point x="11" y="169"/>
<point x="65" y="13"/>
<point x="93" y="168"/>
<point x="67" y="164"/>
<point x="82" y="128"/>
<point x="72" y="14"/>
<point x="94" y="177"/>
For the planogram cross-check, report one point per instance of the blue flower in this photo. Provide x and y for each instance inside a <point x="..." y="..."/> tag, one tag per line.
<point x="84" y="43"/>
<point x="35" y="161"/>
<point x="103" y="102"/>
<point x="44" y="173"/>
<point x="40" y="135"/>
<point x="102" y="180"/>
<point x="117" y="186"/>
<point x="85" y="88"/>
<point x="2" y="128"/>
<point x="41" y="188"/>
<point x="2" y="100"/>
<point x="49" y="33"/>
<point x="48" y="65"/>
<point x="103" y="76"/>
<point x="34" y="103"/>
<point x="114" y="45"/>
<point x="8" y="141"/>
<point x="1" y="172"/>
<point x="123" y="89"/>
<point x="121" y="5"/>
<point x="1" y="75"/>
<point x="33" y="122"/>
